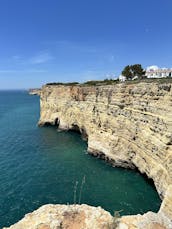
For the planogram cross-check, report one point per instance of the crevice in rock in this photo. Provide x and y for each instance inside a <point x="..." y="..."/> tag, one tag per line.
<point x="57" y="122"/>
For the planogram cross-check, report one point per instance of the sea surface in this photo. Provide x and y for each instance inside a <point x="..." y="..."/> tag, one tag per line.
<point x="41" y="165"/>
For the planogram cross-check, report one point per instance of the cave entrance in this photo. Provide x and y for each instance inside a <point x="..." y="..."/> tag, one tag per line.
<point x="75" y="128"/>
<point x="47" y="124"/>
<point x="81" y="131"/>
<point x="57" y="122"/>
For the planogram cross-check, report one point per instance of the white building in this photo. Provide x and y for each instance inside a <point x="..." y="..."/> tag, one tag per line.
<point x="122" y="78"/>
<point x="156" y="72"/>
<point x="152" y="72"/>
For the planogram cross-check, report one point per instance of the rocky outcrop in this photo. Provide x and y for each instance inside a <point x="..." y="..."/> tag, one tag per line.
<point x="35" y="91"/>
<point x="65" y="217"/>
<point x="87" y="217"/>
<point x="129" y="125"/>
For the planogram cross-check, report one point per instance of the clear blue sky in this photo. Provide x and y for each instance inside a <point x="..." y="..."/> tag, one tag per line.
<point x="77" y="40"/>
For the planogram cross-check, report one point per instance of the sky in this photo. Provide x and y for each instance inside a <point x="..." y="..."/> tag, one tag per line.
<point x="45" y="41"/>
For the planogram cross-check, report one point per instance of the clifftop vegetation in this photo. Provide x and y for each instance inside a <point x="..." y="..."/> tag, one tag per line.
<point x="113" y="82"/>
<point x="88" y="83"/>
<point x="131" y="71"/>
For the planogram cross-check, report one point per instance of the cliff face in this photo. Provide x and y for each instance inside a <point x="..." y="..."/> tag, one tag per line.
<point x="127" y="125"/>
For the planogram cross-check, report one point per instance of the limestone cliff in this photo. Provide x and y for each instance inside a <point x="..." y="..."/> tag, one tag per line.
<point x="129" y="125"/>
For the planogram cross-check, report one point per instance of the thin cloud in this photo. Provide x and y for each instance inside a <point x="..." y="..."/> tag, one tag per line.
<point x="72" y="46"/>
<point x="16" y="57"/>
<point x="41" y="58"/>
<point x="6" y="71"/>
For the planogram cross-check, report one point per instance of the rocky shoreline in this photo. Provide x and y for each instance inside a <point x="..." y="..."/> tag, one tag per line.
<point x="129" y="125"/>
<point x="87" y="217"/>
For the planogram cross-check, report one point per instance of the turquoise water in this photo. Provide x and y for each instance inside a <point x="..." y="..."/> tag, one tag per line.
<point x="41" y="165"/>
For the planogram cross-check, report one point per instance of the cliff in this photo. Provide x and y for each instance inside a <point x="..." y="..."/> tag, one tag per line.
<point x="129" y="125"/>
<point x="35" y="91"/>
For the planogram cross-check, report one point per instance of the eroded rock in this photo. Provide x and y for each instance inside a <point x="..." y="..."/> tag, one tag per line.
<point x="66" y="217"/>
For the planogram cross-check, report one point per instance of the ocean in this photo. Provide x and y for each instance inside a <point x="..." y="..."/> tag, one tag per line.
<point x="42" y="165"/>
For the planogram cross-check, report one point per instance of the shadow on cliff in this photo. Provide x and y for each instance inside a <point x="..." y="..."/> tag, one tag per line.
<point x="81" y="131"/>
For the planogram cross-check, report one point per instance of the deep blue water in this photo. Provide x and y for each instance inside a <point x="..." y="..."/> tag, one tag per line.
<point x="41" y="165"/>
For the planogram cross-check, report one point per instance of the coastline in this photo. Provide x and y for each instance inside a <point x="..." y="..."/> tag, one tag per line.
<point x="128" y="125"/>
